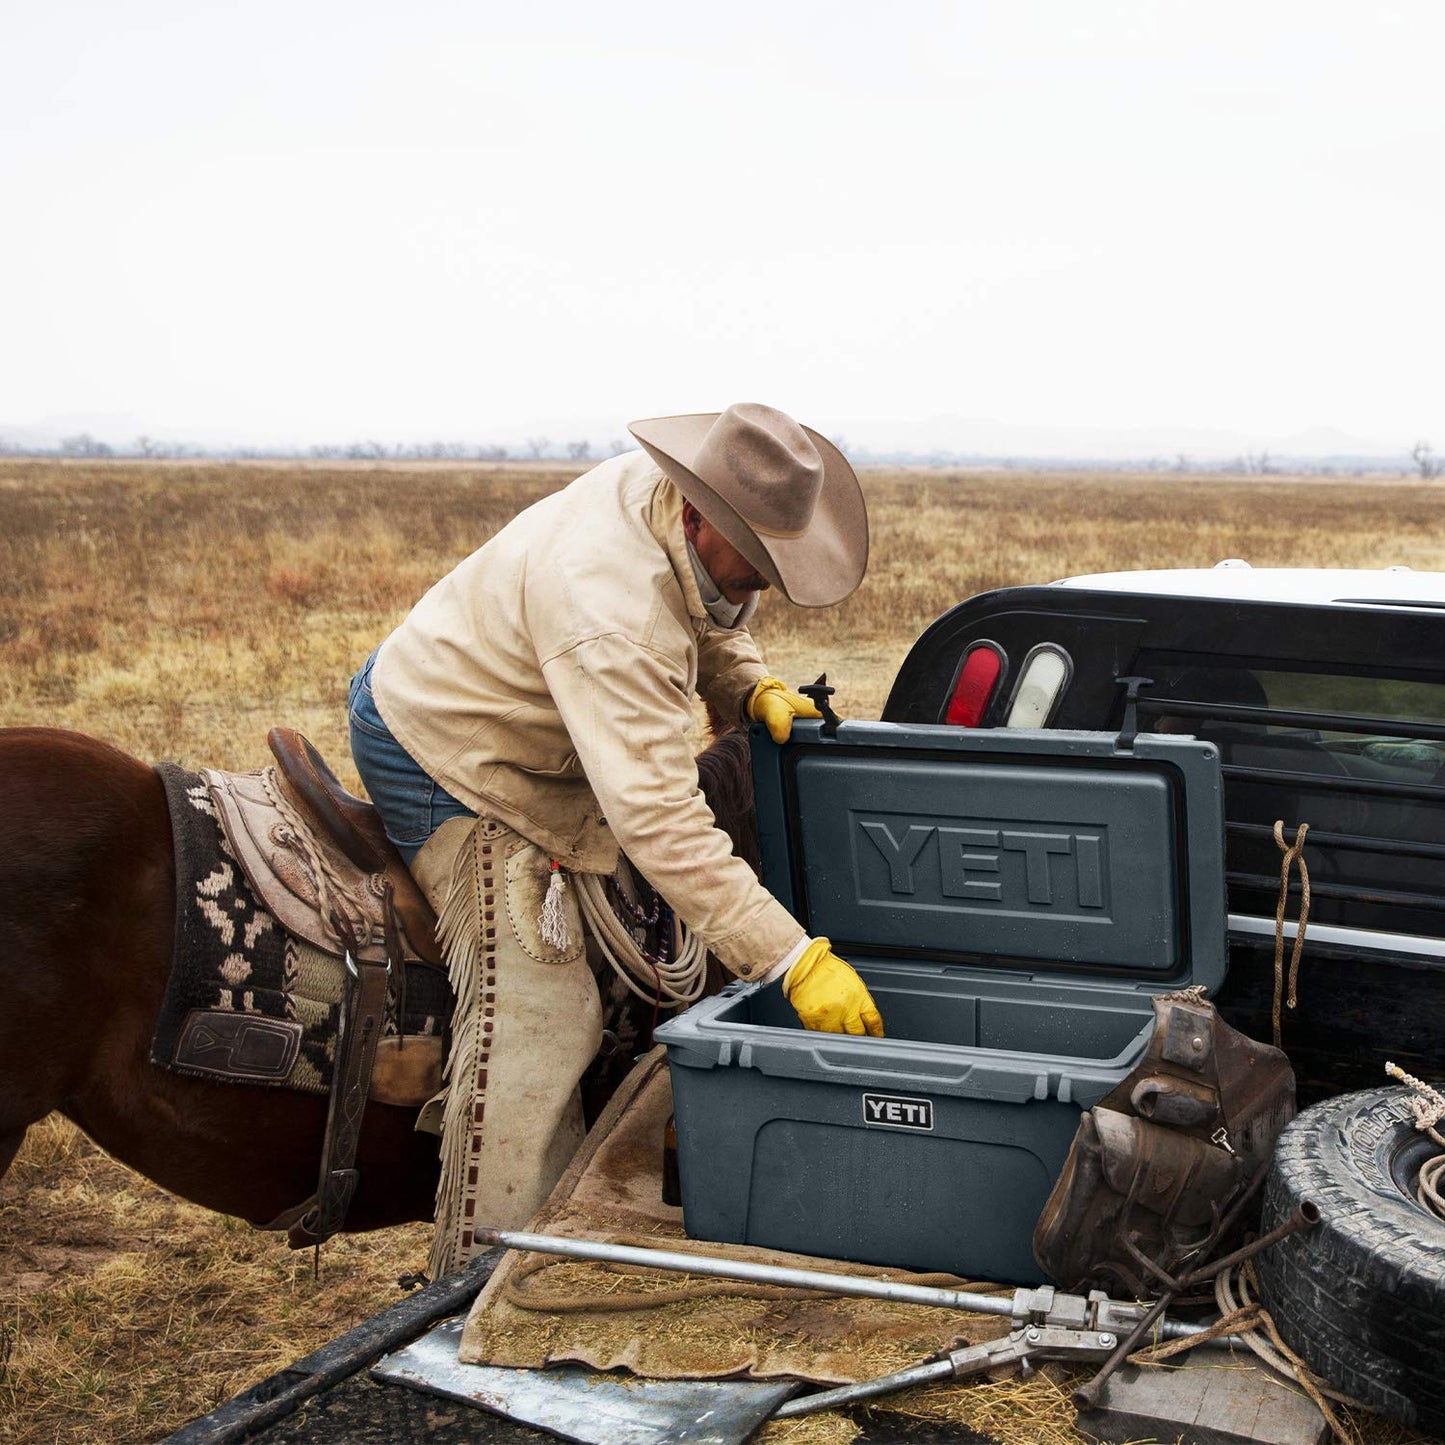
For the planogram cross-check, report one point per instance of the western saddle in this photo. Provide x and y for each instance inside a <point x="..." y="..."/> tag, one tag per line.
<point x="404" y="923"/>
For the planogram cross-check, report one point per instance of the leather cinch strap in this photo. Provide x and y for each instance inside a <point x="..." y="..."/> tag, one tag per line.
<point x="363" y="1013"/>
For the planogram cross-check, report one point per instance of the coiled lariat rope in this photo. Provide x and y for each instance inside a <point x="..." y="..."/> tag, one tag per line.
<point x="1428" y="1107"/>
<point x="1293" y="853"/>
<point x="678" y="977"/>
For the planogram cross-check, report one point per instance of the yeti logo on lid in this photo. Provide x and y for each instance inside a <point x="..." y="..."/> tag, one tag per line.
<point x="897" y="1112"/>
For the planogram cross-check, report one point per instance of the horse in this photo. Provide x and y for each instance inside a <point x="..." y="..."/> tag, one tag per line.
<point x="87" y="915"/>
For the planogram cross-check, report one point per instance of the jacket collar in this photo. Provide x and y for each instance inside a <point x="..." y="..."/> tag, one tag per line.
<point x="664" y="517"/>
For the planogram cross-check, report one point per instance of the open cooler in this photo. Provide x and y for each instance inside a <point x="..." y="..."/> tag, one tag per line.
<point x="1012" y="900"/>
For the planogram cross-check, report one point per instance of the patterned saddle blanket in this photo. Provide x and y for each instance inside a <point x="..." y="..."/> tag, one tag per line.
<point x="249" y="1001"/>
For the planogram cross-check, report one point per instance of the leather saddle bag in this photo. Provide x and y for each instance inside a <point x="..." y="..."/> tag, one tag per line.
<point x="1157" y="1163"/>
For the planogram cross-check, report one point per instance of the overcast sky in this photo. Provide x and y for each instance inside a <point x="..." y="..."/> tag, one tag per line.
<point x="313" y="221"/>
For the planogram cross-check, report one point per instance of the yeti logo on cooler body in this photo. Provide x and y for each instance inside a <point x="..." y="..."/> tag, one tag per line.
<point x="897" y="1111"/>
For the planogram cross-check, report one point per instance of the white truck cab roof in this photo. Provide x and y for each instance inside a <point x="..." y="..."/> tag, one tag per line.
<point x="1335" y="586"/>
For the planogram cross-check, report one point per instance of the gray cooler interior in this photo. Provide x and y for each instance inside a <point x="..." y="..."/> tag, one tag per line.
<point x="963" y="1010"/>
<point x="970" y="1010"/>
<point x="1013" y="901"/>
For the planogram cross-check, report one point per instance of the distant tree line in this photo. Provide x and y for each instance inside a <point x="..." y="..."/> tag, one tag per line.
<point x="539" y="448"/>
<point x="1422" y="461"/>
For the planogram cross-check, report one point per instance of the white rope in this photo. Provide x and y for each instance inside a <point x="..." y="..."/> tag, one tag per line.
<point x="1225" y="1296"/>
<point x="1428" y="1107"/>
<point x="680" y="979"/>
<point x="1273" y="1351"/>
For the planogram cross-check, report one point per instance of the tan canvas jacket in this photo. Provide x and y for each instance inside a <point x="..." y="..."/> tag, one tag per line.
<point x="547" y="682"/>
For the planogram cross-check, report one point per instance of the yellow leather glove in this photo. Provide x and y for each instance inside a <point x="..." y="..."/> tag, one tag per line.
<point x="829" y="995"/>
<point x="775" y="704"/>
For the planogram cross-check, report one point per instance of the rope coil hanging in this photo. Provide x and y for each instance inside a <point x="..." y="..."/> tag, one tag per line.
<point x="1293" y="853"/>
<point x="680" y="978"/>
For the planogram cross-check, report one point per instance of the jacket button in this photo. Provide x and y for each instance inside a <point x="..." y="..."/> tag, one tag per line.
<point x="745" y="969"/>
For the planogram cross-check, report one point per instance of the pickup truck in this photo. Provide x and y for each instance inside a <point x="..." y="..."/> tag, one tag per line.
<point x="1324" y="694"/>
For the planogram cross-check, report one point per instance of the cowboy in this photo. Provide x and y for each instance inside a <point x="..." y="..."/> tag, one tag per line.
<point x="530" y="717"/>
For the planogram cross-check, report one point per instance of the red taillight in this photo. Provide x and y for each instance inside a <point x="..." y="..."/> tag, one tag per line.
<point x="978" y="677"/>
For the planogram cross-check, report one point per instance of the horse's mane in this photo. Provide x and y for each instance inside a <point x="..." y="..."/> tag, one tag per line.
<point x="724" y="770"/>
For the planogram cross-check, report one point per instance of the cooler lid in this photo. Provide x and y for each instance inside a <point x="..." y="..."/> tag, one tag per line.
<point x="1019" y="851"/>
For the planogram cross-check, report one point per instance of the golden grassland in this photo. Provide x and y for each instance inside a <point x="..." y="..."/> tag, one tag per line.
<point x="179" y="610"/>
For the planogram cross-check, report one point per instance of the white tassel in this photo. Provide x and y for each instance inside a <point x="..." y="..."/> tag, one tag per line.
<point x="553" y="923"/>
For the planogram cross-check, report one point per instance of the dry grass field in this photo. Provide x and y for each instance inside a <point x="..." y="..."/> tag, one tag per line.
<point x="178" y="610"/>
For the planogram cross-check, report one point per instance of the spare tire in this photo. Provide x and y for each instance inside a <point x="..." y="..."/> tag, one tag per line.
<point x="1361" y="1296"/>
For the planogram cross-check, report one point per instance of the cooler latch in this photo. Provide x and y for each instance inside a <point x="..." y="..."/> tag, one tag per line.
<point x="818" y="694"/>
<point x="1130" y="730"/>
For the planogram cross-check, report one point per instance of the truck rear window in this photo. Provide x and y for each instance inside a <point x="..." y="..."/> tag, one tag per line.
<point x="1360" y="758"/>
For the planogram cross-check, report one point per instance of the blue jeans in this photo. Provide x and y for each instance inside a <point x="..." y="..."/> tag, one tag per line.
<point x="412" y="804"/>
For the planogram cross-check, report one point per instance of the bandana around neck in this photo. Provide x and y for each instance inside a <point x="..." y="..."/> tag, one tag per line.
<point x="723" y="613"/>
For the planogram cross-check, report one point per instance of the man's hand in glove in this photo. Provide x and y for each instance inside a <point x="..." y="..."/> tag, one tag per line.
<point x="776" y="705"/>
<point x="829" y="995"/>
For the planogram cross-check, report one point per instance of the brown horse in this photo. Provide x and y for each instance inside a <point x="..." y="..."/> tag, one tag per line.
<point x="87" y="899"/>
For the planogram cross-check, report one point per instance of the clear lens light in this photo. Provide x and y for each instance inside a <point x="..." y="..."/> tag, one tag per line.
<point x="1043" y="679"/>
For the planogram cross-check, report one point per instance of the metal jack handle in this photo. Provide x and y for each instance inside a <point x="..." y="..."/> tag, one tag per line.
<point x="1045" y="1306"/>
<point x="818" y="694"/>
<point x="1047" y="1324"/>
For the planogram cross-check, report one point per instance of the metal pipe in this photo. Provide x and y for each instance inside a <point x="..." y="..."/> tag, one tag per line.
<point x="955" y="1299"/>
<point x="1306" y="1216"/>
<point x="865" y="1389"/>
<point x="1014" y="1306"/>
<point x="1087" y="1394"/>
<point x="1019" y="1307"/>
<point x="1175" y="1330"/>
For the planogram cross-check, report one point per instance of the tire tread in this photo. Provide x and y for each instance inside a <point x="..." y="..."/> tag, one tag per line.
<point x="1361" y="1297"/>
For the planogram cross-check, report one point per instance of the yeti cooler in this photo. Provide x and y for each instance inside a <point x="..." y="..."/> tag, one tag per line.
<point x="1012" y="900"/>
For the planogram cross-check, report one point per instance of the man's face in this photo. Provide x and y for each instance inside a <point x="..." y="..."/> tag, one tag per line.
<point x="736" y="577"/>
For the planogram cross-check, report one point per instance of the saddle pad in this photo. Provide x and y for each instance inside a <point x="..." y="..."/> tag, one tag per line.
<point x="246" y="1001"/>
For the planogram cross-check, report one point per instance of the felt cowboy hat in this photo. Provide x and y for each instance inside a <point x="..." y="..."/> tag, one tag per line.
<point x="784" y="496"/>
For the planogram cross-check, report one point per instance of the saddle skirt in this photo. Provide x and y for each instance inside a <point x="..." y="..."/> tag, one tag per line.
<point x="301" y="875"/>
